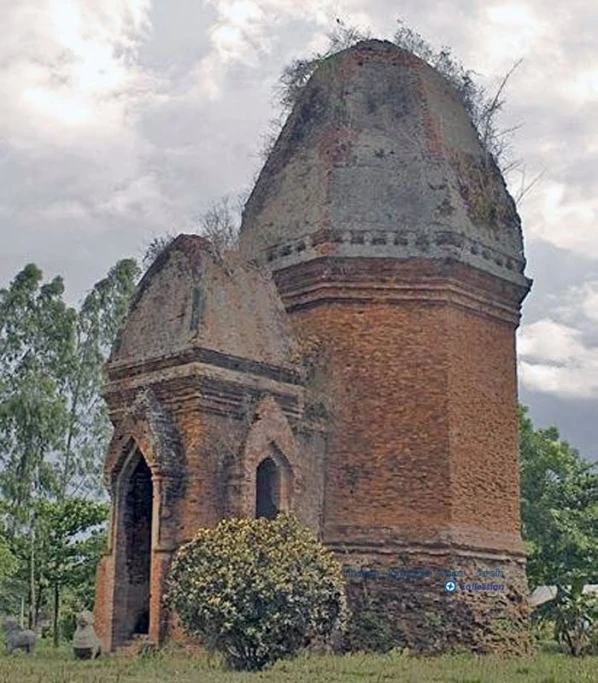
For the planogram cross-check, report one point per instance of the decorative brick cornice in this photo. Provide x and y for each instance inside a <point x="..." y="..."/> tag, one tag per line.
<point x="415" y="243"/>
<point x="126" y="370"/>
<point x="389" y="543"/>
<point x="365" y="280"/>
<point x="203" y="388"/>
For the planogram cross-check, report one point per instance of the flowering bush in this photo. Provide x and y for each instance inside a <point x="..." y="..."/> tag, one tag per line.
<point x="257" y="590"/>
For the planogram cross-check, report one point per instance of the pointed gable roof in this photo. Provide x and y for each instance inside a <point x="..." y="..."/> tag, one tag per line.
<point x="192" y="298"/>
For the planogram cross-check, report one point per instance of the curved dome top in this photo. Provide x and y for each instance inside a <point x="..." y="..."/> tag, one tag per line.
<point x="379" y="159"/>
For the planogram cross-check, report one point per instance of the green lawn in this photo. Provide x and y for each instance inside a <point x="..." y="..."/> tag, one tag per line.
<point x="48" y="666"/>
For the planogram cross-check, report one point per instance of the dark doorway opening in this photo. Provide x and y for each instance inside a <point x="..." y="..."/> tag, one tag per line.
<point x="267" y="486"/>
<point x="138" y="529"/>
<point x="133" y="552"/>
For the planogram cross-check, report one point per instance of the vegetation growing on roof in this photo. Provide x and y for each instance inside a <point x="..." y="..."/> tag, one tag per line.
<point x="482" y="107"/>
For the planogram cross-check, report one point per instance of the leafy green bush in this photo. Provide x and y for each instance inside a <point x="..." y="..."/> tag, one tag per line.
<point x="370" y="630"/>
<point x="257" y="590"/>
<point x="574" y="615"/>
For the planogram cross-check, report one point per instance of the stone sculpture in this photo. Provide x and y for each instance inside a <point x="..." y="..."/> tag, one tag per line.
<point x="17" y="638"/>
<point x="86" y="644"/>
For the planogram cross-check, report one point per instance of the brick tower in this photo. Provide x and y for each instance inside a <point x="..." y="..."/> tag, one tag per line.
<point x="394" y="243"/>
<point x="354" y="363"/>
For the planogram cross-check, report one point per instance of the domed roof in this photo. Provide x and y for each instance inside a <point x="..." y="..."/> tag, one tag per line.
<point x="379" y="158"/>
<point x="190" y="298"/>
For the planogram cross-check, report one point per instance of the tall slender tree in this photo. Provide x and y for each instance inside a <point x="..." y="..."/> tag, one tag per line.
<point x="37" y="333"/>
<point x="99" y="319"/>
<point x="53" y="421"/>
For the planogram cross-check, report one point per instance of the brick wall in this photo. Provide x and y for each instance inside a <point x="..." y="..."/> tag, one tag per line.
<point x="482" y="396"/>
<point x="387" y="373"/>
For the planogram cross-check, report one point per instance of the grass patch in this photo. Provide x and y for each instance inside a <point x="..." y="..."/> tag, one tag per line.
<point x="58" y="666"/>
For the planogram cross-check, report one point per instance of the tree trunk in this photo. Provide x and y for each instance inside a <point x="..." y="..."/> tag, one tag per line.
<point x="55" y="633"/>
<point x="32" y="603"/>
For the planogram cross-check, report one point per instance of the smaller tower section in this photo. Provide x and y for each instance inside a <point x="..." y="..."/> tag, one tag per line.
<point x="205" y="396"/>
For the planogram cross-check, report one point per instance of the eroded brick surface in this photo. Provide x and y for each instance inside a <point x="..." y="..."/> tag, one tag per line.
<point x="362" y="341"/>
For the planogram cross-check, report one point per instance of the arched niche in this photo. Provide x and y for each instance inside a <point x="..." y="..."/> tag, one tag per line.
<point x="270" y="463"/>
<point x="273" y="486"/>
<point x="134" y="523"/>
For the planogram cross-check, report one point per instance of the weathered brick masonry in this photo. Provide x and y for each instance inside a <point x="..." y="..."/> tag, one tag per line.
<point x="354" y="363"/>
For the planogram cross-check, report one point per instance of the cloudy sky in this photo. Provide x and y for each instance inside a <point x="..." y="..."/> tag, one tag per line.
<point x="123" y="119"/>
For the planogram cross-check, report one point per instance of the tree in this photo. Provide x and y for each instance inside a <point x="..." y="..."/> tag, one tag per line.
<point x="53" y="422"/>
<point x="256" y="590"/>
<point x="71" y="538"/>
<point x="37" y="333"/>
<point x="98" y="322"/>
<point x="559" y="512"/>
<point x="559" y="507"/>
<point x="36" y="338"/>
<point x="574" y="615"/>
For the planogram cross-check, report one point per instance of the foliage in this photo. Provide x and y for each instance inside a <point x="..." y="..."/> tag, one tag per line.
<point x="257" y="590"/>
<point x="66" y="540"/>
<point x="155" y="247"/>
<point x="37" y="332"/>
<point x="482" y="108"/>
<point x="295" y="75"/>
<point x="8" y="566"/>
<point x="99" y="320"/>
<point x="371" y="631"/>
<point x="71" y="539"/>
<point x="53" y="422"/>
<point x="559" y="511"/>
<point x="559" y="508"/>
<point x="220" y="224"/>
<point x="574" y="615"/>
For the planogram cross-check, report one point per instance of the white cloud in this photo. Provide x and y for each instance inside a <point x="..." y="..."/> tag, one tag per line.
<point x="245" y="30"/>
<point x="547" y="340"/>
<point x="583" y="87"/>
<point x="564" y="214"/>
<point x="67" y="64"/>
<point x="520" y="28"/>
<point x="556" y="357"/>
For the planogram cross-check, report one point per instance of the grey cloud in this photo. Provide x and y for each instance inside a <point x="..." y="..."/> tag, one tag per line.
<point x="575" y="418"/>
<point x="77" y="199"/>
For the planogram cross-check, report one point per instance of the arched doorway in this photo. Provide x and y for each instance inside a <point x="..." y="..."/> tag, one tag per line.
<point x="267" y="489"/>
<point x="133" y="551"/>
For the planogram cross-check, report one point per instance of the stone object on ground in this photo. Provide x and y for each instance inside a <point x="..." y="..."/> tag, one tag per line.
<point x="17" y="638"/>
<point x="86" y="644"/>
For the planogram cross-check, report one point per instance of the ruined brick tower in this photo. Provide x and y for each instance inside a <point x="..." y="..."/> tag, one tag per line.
<point x="354" y="363"/>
